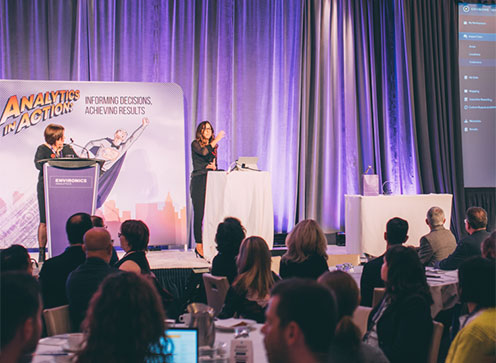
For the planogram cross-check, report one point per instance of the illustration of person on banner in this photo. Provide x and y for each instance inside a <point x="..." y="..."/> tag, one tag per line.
<point x="113" y="152"/>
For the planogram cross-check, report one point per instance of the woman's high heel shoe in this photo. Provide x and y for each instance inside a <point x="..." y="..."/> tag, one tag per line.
<point x="198" y="254"/>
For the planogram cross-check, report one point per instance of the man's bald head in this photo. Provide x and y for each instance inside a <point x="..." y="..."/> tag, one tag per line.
<point x="97" y="243"/>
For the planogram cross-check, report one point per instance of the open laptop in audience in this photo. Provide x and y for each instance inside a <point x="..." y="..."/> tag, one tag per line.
<point x="182" y="343"/>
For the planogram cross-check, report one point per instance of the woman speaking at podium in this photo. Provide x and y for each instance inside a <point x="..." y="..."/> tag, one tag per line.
<point x="204" y="155"/>
<point x="53" y="147"/>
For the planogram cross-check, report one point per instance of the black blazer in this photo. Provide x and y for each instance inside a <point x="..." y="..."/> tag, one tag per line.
<point x="225" y="265"/>
<point x="405" y="329"/>
<point x="467" y="247"/>
<point x="371" y="278"/>
<point x="311" y="268"/>
<point x="54" y="273"/>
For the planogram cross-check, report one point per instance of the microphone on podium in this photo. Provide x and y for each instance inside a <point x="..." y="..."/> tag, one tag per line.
<point x="82" y="147"/>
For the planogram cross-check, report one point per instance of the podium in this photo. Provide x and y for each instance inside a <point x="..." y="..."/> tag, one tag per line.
<point x="246" y="195"/>
<point x="71" y="186"/>
<point x="366" y="218"/>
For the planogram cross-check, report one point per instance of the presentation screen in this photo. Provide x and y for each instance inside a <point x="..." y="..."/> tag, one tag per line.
<point x="136" y="128"/>
<point x="477" y="59"/>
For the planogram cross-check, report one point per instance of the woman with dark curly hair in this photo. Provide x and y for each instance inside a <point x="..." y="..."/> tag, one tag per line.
<point x="401" y="324"/>
<point x="134" y="237"/>
<point x="125" y="322"/>
<point x="230" y="234"/>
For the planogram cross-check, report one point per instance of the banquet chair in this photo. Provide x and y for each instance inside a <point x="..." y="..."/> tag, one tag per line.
<point x="361" y="317"/>
<point x="437" y="334"/>
<point x="57" y="320"/>
<point x="216" y="288"/>
<point x="275" y="262"/>
<point x="378" y="295"/>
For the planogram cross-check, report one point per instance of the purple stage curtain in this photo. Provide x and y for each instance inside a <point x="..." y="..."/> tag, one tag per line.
<point x="319" y="90"/>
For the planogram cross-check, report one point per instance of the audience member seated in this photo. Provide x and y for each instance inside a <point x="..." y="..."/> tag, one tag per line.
<point x="249" y="294"/>
<point x="134" y="237"/>
<point x="125" y="322"/>
<point x="347" y="345"/>
<point x="20" y="317"/>
<point x="439" y="243"/>
<point x="15" y="258"/>
<point x="306" y="256"/>
<point x="476" y="341"/>
<point x="83" y="282"/>
<point x="229" y="236"/>
<point x="396" y="234"/>
<point x="475" y="225"/>
<point x="401" y="324"/>
<point x="98" y="222"/>
<point x="488" y="247"/>
<point x="300" y="322"/>
<point x="54" y="273"/>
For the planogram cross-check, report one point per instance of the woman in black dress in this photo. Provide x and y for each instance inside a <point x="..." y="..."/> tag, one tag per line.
<point x="53" y="147"/>
<point x="204" y="155"/>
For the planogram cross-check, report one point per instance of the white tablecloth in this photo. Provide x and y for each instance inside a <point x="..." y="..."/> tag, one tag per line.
<point x="366" y="218"/>
<point x="246" y="195"/>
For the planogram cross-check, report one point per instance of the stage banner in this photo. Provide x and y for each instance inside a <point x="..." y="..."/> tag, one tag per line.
<point x="137" y="128"/>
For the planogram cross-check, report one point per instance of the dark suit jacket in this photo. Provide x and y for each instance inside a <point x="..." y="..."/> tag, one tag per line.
<point x="54" y="273"/>
<point x="371" y="278"/>
<point x="81" y="284"/>
<point x="225" y="265"/>
<point x="404" y="330"/>
<point x="467" y="247"/>
<point x="311" y="268"/>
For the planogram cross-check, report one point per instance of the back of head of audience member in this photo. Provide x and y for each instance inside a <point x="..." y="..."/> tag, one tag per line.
<point x="404" y="274"/>
<point x="98" y="243"/>
<point x="97" y="221"/>
<point x="77" y="225"/>
<point x="435" y="217"/>
<point x="125" y="321"/>
<point x="477" y="282"/>
<point x="254" y="267"/>
<point x="301" y="320"/>
<point x="476" y="219"/>
<point x="306" y="239"/>
<point x="136" y="233"/>
<point x="488" y="247"/>
<point x="348" y="336"/>
<point x="15" y="258"/>
<point x="20" y="322"/>
<point x="230" y="234"/>
<point x="396" y="231"/>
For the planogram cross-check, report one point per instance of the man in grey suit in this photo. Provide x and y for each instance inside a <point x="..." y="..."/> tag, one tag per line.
<point x="439" y="243"/>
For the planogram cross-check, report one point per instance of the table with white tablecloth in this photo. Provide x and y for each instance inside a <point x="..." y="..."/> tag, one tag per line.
<point x="51" y="349"/>
<point x="246" y="195"/>
<point x="366" y="218"/>
<point x="443" y="286"/>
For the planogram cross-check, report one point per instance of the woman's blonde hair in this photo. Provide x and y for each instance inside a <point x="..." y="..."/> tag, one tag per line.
<point x="254" y="273"/>
<point x="305" y="240"/>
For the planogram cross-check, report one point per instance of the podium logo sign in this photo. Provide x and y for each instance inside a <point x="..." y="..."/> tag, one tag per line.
<point x="71" y="182"/>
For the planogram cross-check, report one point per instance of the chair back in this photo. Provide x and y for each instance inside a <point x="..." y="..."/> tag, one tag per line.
<point x="361" y="317"/>
<point x="275" y="263"/>
<point x="216" y="288"/>
<point x="437" y="334"/>
<point x="57" y="320"/>
<point x="378" y="295"/>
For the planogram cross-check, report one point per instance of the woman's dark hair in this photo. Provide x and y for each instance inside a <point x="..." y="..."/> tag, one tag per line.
<point x="406" y="275"/>
<point x="97" y="221"/>
<point x="137" y="234"/>
<point x="199" y="133"/>
<point x="229" y="236"/>
<point x="53" y="132"/>
<point x="477" y="282"/>
<point x="347" y="336"/>
<point x="15" y="258"/>
<point x="125" y="321"/>
<point x="488" y="247"/>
